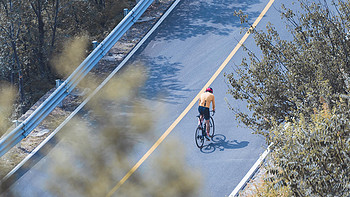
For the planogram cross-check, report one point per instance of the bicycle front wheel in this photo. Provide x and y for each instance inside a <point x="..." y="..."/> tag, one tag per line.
<point x="199" y="138"/>
<point x="212" y="127"/>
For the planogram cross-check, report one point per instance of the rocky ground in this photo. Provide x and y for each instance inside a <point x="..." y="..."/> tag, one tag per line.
<point x="103" y="69"/>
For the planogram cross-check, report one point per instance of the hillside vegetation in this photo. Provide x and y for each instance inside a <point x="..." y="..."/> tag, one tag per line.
<point x="298" y="94"/>
<point x="33" y="32"/>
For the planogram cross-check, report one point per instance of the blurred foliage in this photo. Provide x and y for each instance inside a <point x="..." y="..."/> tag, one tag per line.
<point x="33" y="33"/>
<point x="297" y="91"/>
<point x="73" y="53"/>
<point x="98" y="149"/>
<point x="7" y="98"/>
<point x="43" y="38"/>
<point x="167" y="175"/>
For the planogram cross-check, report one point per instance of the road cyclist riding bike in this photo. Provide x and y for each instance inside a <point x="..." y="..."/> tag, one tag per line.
<point x="204" y="105"/>
<point x="201" y="133"/>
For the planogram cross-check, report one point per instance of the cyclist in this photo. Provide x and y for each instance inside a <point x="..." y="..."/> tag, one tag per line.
<point x="204" y="104"/>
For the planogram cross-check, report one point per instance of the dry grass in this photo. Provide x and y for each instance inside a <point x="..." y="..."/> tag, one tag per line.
<point x="264" y="184"/>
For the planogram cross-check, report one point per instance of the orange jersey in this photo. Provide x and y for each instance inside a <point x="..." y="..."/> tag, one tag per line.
<point x="205" y="99"/>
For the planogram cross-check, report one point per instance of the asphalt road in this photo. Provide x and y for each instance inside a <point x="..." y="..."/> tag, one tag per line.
<point x="180" y="57"/>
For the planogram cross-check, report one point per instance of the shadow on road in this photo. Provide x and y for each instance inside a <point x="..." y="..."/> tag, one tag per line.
<point x="200" y="17"/>
<point x="220" y="142"/>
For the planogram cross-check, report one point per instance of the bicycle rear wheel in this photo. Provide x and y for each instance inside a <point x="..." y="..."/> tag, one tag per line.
<point x="212" y="127"/>
<point x="199" y="138"/>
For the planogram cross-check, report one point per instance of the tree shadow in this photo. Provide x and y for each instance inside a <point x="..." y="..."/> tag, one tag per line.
<point x="202" y="17"/>
<point x="189" y="19"/>
<point x="162" y="79"/>
<point x="220" y="142"/>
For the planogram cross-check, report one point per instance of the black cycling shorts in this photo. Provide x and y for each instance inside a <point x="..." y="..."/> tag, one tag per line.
<point x="204" y="111"/>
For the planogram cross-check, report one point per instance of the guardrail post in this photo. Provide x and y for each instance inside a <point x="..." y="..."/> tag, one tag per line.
<point x="58" y="83"/>
<point x="16" y="124"/>
<point x="126" y="11"/>
<point x="94" y="44"/>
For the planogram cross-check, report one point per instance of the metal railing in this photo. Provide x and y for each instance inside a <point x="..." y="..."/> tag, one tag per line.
<point x="251" y="172"/>
<point x="28" y="125"/>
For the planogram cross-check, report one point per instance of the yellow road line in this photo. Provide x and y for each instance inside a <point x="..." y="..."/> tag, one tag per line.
<point x="179" y="118"/>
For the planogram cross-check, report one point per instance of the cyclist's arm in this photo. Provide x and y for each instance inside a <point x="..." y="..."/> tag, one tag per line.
<point x="213" y="103"/>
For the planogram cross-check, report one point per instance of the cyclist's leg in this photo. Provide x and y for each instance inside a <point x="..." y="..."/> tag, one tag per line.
<point x="206" y="117"/>
<point x="200" y="120"/>
<point x="208" y="127"/>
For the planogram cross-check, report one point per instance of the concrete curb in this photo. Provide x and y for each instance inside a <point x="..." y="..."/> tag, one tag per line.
<point x="251" y="173"/>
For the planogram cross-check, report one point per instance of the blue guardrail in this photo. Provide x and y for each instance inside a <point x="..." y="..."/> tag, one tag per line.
<point x="28" y="125"/>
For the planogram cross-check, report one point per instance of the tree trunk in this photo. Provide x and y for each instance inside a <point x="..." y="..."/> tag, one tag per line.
<point x="13" y="72"/>
<point x="54" y="27"/>
<point x="20" y="89"/>
<point x="41" y="36"/>
<point x="20" y="77"/>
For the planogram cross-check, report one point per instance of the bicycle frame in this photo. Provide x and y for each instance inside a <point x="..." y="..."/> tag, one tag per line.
<point x="210" y="117"/>
<point x="201" y="131"/>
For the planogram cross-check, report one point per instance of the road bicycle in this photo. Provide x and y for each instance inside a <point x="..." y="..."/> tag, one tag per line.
<point x="201" y="131"/>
